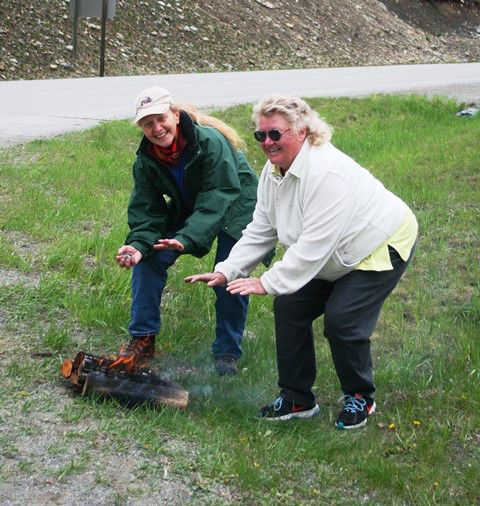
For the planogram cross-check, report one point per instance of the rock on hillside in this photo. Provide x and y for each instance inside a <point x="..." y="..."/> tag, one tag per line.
<point x="176" y="36"/>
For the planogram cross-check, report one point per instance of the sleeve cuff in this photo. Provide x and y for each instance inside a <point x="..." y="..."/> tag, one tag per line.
<point x="229" y="271"/>
<point x="187" y="244"/>
<point x="144" y="250"/>
<point x="267" y="286"/>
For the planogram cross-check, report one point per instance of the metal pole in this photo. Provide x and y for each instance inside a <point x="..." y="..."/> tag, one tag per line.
<point x="102" y="41"/>
<point x="75" y="27"/>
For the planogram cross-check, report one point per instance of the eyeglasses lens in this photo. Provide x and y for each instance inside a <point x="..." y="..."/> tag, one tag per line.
<point x="261" y="136"/>
<point x="274" y="135"/>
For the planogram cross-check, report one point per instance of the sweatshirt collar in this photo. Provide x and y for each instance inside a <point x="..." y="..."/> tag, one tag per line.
<point x="298" y="166"/>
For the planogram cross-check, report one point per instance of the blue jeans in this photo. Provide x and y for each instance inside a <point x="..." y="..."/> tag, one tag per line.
<point x="149" y="278"/>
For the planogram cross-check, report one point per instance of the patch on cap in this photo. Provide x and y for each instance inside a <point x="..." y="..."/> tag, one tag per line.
<point x="154" y="100"/>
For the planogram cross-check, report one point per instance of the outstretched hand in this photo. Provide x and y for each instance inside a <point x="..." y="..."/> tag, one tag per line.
<point x="246" y="286"/>
<point x="170" y="244"/>
<point x="211" y="278"/>
<point x="128" y="256"/>
<point x="242" y="286"/>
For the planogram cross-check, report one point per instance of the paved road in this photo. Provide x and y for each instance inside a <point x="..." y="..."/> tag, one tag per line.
<point x="45" y="108"/>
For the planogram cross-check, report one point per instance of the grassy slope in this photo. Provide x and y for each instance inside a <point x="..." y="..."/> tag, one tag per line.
<point x="68" y="196"/>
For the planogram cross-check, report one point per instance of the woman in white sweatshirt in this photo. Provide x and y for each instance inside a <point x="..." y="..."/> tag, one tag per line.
<point x="348" y="240"/>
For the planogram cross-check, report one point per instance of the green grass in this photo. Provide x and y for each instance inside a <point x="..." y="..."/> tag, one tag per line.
<point x="67" y="197"/>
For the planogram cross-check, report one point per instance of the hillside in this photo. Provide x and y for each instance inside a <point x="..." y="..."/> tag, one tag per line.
<point x="177" y="36"/>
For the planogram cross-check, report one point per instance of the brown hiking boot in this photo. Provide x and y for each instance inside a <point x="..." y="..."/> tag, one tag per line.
<point x="139" y="349"/>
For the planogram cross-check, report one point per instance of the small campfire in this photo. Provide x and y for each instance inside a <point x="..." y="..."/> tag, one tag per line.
<point x="122" y="379"/>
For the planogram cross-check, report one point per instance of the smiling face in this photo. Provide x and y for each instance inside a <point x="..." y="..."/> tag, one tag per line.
<point x="283" y="151"/>
<point x="161" y="129"/>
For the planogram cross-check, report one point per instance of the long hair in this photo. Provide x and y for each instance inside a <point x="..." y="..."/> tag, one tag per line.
<point x="209" y="121"/>
<point x="298" y="114"/>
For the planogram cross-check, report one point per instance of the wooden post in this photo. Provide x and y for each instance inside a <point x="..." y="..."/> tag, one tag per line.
<point x="102" y="41"/>
<point x="75" y="28"/>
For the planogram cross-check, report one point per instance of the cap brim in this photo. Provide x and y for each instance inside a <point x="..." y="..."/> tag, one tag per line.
<point x="147" y="111"/>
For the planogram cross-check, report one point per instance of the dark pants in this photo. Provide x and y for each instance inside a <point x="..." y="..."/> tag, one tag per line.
<point x="351" y="306"/>
<point x="148" y="281"/>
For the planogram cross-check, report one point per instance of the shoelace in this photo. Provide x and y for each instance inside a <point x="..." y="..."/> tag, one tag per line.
<point x="352" y="404"/>
<point x="277" y="404"/>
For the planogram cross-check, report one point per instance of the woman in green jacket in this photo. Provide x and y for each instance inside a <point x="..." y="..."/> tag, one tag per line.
<point x="191" y="185"/>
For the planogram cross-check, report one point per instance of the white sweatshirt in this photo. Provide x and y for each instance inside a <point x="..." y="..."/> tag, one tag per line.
<point x="327" y="211"/>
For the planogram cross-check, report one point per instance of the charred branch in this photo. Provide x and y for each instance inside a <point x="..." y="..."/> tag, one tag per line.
<point x="90" y="375"/>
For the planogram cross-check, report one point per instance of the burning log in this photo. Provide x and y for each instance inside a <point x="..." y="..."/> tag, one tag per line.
<point x="121" y="379"/>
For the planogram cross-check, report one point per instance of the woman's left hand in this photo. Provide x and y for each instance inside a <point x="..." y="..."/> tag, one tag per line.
<point x="246" y="286"/>
<point x="171" y="244"/>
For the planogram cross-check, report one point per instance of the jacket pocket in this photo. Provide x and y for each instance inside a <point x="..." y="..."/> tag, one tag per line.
<point x="345" y="260"/>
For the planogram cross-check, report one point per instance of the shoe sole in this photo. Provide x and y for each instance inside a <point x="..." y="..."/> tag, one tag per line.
<point x="339" y="425"/>
<point x="299" y="414"/>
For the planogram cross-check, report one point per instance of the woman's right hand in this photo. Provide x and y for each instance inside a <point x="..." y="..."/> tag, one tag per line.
<point x="211" y="278"/>
<point x="128" y="256"/>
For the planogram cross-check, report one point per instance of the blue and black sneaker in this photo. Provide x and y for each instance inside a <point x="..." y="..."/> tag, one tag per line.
<point x="281" y="409"/>
<point x="356" y="409"/>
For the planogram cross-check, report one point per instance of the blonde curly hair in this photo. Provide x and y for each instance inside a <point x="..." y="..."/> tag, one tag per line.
<point x="298" y="114"/>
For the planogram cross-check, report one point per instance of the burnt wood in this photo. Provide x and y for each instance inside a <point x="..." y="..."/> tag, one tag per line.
<point x="93" y="375"/>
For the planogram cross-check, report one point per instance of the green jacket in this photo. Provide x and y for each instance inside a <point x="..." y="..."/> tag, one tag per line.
<point x="220" y="181"/>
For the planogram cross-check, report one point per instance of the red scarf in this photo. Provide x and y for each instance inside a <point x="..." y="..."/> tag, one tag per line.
<point x="171" y="154"/>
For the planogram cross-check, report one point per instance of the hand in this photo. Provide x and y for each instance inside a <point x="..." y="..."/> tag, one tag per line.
<point x="246" y="286"/>
<point x="171" y="244"/>
<point x="128" y="256"/>
<point x="211" y="278"/>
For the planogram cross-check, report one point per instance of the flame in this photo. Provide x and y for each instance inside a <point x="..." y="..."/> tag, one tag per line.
<point x="134" y="355"/>
<point x="127" y="363"/>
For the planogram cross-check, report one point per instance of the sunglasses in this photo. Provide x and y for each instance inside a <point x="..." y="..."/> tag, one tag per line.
<point x="274" y="134"/>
